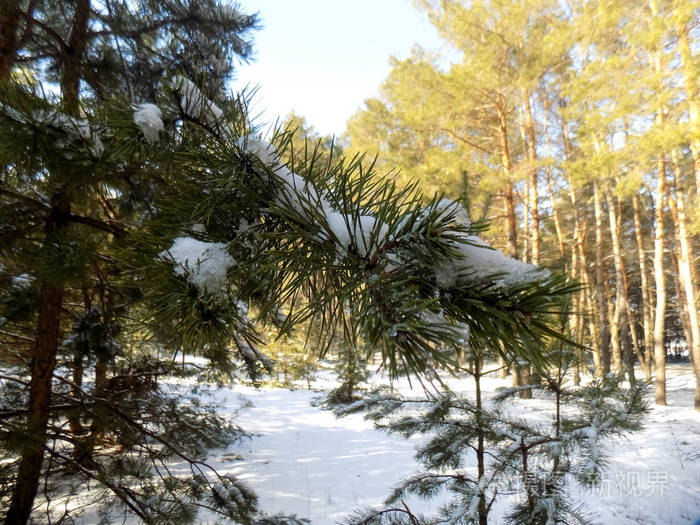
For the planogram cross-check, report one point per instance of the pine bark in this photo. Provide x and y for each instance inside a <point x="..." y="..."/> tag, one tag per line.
<point x="659" y="275"/>
<point x="647" y="312"/>
<point x="71" y="61"/>
<point x="42" y="367"/>
<point x="508" y="194"/>
<point x="600" y="278"/>
<point x="534" y="195"/>
<point x="618" y="321"/>
<point x="9" y="23"/>
<point x="660" y="281"/>
<point x="677" y="203"/>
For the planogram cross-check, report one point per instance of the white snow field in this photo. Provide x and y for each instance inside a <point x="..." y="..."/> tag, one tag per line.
<point x="303" y="460"/>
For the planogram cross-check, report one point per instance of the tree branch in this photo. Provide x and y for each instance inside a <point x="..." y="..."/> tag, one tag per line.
<point x="115" y="228"/>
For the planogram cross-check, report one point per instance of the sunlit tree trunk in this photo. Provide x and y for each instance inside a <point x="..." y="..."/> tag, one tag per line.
<point x="685" y="269"/>
<point x="660" y="281"/>
<point x="600" y="278"/>
<point x="508" y="193"/>
<point x="647" y="320"/>
<point x="534" y="195"/>
<point x="618" y="320"/>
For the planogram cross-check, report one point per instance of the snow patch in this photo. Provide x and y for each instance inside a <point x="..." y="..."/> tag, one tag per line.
<point x="204" y="264"/>
<point x="22" y="281"/>
<point x="482" y="262"/>
<point x="193" y="102"/>
<point x="78" y="128"/>
<point x="461" y="215"/>
<point x="149" y="119"/>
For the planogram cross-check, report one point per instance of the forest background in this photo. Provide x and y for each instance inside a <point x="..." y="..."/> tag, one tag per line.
<point x="572" y="128"/>
<point x="575" y="128"/>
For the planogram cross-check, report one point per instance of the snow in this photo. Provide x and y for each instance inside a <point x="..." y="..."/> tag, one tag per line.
<point x="204" y="264"/>
<point x="22" y="281"/>
<point x="365" y="233"/>
<point x="461" y="215"/>
<point x="481" y="262"/>
<point x="301" y="459"/>
<point x="149" y="119"/>
<point x="295" y="191"/>
<point x="194" y="103"/>
<point x="78" y="128"/>
<point x="255" y="145"/>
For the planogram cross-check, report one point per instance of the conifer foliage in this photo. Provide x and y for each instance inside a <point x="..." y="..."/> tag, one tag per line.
<point x="142" y="214"/>
<point x="527" y="460"/>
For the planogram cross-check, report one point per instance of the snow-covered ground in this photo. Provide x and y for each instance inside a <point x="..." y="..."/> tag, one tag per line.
<point x="303" y="460"/>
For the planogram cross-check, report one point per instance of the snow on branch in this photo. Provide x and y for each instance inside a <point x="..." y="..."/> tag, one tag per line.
<point x="75" y="128"/>
<point x="149" y="119"/>
<point x="194" y="103"/>
<point x="365" y="233"/>
<point x="204" y="264"/>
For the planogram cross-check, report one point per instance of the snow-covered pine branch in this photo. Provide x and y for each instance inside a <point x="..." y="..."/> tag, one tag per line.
<point x="340" y="241"/>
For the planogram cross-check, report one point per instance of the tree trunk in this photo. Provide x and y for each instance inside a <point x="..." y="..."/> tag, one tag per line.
<point x="659" y="276"/>
<point x="643" y="361"/>
<point x="507" y="168"/>
<point x="580" y="233"/>
<point x="660" y="279"/>
<point x="647" y="320"/>
<point x="73" y="57"/>
<point x="42" y="367"/>
<point x="51" y="298"/>
<point x="685" y="270"/>
<point x="534" y="195"/>
<point x="618" y="322"/>
<point x="600" y="278"/>
<point x="557" y="223"/>
<point x="480" y="447"/>
<point x="9" y="22"/>
<point x="525" y="257"/>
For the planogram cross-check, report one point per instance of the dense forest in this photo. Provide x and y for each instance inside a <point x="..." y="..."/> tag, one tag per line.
<point x="155" y="239"/>
<point x="574" y="127"/>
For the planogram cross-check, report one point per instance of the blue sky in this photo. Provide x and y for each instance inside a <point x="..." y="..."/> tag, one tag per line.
<point x="323" y="58"/>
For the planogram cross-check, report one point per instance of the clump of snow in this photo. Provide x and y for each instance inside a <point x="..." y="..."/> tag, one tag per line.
<point x="204" y="264"/>
<point x="22" y="281"/>
<point x="461" y="215"/>
<point x="193" y="102"/>
<point x="78" y="128"/>
<point x="262" y="149"/>
<point x="300" y="194"/>
<point x="361" y="233"/>
<point x="366" y="232"/>
<point x="296" y="191"/>
<point x="481" y="261"/>
<point x="149" y="119"/>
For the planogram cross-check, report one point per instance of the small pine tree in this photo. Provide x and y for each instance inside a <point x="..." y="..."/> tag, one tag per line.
<point x="525" y="460"/>
<point x="351" y="371"/>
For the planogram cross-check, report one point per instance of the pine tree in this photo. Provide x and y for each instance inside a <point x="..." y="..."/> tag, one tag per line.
<point x="525" y="460"/>
<point x="148" y="207"/>
<point x="75" y="193"/>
